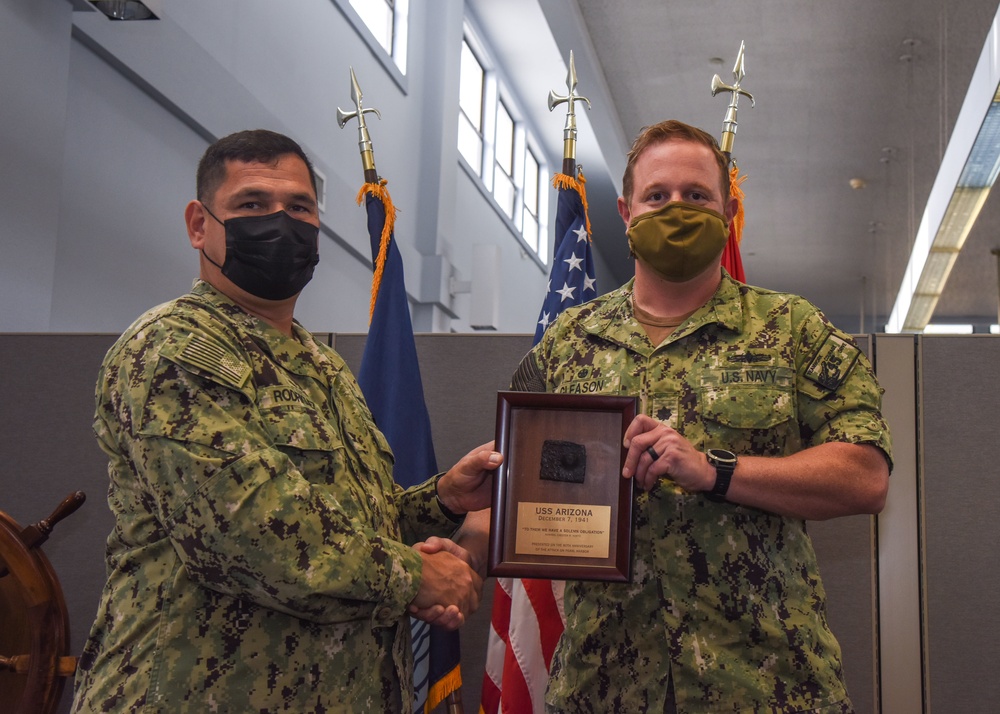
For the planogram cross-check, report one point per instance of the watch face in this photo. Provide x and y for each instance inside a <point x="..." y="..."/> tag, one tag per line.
<point x="722" y="456"/>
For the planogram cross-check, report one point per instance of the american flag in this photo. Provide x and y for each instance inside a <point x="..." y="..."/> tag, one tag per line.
<point x="571" y="280"/>
<point x="527" y="618"/>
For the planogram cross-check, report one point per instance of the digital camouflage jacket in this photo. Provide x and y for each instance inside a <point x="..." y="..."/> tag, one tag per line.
<point x="725" y="599"/>
<point x="258" y="560"/>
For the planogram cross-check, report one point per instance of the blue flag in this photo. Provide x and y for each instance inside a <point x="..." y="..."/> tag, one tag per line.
<point x="571" y="280"/>
<point x="389" y="374"/>
<point x="390" y="379"/>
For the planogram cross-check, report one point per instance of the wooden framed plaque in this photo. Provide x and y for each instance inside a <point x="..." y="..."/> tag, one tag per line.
<point x="561" y="508"/>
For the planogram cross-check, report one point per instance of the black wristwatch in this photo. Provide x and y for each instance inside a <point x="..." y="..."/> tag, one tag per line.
<point x="724" y="463"/>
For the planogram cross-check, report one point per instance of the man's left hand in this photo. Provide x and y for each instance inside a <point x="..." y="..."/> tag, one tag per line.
<point x="468" y="485"/>
<point x="676" y="458"/>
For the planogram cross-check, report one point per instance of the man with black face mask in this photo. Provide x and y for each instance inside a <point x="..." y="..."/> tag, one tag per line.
<point x="755" y="415"/>
<point x="259" y="560"/>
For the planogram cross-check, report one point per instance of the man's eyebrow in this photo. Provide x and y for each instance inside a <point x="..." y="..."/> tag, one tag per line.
<point x="304" y="198"/>
<point x="660" y="184"/>
<point x="258" y="193"/>
<point x="251" y="193"/>
<point x="705" y="188"/>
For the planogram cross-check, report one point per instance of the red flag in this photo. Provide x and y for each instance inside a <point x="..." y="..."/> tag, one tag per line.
<point x="731" y="259"/>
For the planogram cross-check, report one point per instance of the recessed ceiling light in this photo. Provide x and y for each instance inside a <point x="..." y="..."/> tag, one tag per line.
<point x="124" y="9"/>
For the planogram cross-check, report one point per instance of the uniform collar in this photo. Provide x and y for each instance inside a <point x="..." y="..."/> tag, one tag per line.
<point x="300" y="353"/>
<point x="614" y="320"/>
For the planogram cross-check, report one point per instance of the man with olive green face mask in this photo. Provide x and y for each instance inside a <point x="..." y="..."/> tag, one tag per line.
<point x="755" y="414"/>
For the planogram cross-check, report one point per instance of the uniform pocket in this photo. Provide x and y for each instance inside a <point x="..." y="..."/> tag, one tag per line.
<point x="750" y="419"/>
<point x="301" y="428"/>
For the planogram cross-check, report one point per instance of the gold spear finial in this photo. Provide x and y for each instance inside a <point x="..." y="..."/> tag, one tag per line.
<point x="569" y="130"/>
<point x="729" y="123"/>
<point x="364" y="139"/>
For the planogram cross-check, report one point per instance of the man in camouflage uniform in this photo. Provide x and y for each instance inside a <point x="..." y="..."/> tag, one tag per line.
<point x="259" y="558"/>
<point x="725" y="612"/>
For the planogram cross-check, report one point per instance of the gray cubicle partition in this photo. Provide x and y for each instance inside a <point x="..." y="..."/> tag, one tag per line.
<point x="941" y="501"/>
<point x="47" y="451"/>
<point x="462" y="374"/>
<point x="959" y="380"/>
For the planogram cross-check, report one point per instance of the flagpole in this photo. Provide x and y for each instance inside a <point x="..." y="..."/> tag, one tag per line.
<point x="397" y="426"/>
<point x="735" y="90"/>
<point x="527" y="618"/>
<point x="569" y="130"/>
<point x="364" y="139"/>
<point x="731" y="259"/>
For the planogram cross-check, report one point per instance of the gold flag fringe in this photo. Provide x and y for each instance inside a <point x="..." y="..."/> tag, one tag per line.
<point x="564" y="181"/>
<point x="379" y="191"/>
<point x="441" y="689"/>
<point x="735" y="191"/>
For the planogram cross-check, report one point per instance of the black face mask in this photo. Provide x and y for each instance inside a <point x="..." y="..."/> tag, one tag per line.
<point x="271" y="257"/>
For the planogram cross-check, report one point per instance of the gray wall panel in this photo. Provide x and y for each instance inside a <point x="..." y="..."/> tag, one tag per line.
<point x="46" y="442"/>
<point x="461" y="375"/>
<point x="960" y="416"/>
<point x="898" y="526"/>
<point x="48" y="451"/>
<point x="845" y="549"/>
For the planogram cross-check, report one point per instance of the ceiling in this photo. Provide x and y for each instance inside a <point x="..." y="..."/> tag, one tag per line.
<point x="854" y="89"/>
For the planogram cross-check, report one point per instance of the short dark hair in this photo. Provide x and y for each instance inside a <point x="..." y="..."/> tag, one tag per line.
<point x="252" y="145"/>
<point x="669" y="130"/>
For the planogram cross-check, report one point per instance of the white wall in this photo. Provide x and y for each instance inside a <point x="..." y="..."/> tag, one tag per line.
<point x="34" y="69"/>
<point x="103" y="122"/>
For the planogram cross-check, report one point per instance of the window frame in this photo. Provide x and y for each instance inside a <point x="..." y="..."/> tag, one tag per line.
<point x="484" y="91"/>
<point x="541" y="199"/>
<point x="496" y="93"/>
<point x="395" y="61"/>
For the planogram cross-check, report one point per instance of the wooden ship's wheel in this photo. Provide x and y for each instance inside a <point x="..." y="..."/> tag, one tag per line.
<point x="34" y="625"/>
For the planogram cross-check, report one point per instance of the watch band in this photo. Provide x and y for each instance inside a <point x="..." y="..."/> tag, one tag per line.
<point x="724" y="463"/>
<point x="449" y="514"/>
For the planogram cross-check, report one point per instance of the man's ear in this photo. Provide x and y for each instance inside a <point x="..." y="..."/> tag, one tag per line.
<point x="623" y="211"/>
<point x="195" y="217"/>
<point x="732" y="205"/>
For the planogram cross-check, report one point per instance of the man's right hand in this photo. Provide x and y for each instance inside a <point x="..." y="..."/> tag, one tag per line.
<point x="449" y="590"/>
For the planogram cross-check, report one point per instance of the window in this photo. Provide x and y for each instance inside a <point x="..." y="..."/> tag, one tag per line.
<point x="495" y="143"/>
<point x="530" y="206"/>
<point x="470" y="115"/>
<point x="387" y="20"/>
<point x="503" y="151"/>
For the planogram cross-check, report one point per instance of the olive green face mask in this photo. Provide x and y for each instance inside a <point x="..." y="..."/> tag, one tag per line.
<point x="678" y="241"/>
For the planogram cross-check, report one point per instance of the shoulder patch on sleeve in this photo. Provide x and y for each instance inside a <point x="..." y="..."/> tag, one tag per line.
<point x="527" y="378"/>
<point x="832" y="362"/>
<point x="209" y="356"/>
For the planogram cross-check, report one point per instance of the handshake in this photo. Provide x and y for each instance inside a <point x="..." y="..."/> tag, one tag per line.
<point x="452" y="583"/>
